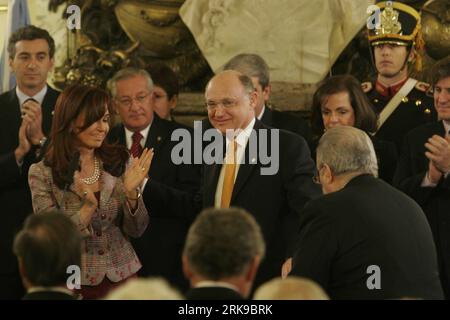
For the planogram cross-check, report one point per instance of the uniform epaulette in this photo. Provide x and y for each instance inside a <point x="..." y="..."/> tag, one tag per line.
<point x="366" y="86"/>
<point x="422" y="86"/>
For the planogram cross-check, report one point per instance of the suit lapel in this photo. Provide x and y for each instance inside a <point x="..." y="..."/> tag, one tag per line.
<point x="108" y="183"/>
<point x="156" y="135"/>
<point x="13" y="115"/>
<point x="211" y="178"/>
<point x="267" y="117"/>
<point x="249" y="165"/>
<point x="48" y="105"/>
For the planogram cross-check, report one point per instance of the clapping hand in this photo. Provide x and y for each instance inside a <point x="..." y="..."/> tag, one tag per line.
<point x="32" y="113"/>
<point x="137" y="172"/>
<point x="439" y="153"/>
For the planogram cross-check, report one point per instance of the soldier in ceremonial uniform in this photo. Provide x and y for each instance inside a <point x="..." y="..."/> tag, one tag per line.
<point x="401" y="102"/>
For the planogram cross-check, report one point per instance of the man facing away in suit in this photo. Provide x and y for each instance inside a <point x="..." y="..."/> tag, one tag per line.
<point x="159" y="248"/>
<point x="48" y="248"/>
<point x="26" y="116"/>
<point x="254" y="66"/>
<point x="222" y="253"/>
<point x="363" y="239"/>
<point x="424" y="167"/>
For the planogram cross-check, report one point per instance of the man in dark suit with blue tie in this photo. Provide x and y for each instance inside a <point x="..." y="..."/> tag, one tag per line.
<point x="424" y="168"/>
<point x="26" y="115"/>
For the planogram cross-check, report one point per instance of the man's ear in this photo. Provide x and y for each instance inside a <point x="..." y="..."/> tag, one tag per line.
<point x="23" y="274"/>
<point x="10" y="63"/>
<point x="327" y="175"/>
<point x="173" y="102"/>
<point x="253" y="96"/>
<point x="253" y="269"/>
<point x="52" y="63"/>
<point x="188" y="274"/>
<point x="266" y="92"/>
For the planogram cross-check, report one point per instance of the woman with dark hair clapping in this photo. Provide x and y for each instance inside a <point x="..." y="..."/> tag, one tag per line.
<point x="104" y="199"/>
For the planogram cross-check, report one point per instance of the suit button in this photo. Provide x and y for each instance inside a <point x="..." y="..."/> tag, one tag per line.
<point x="101" y="252"/>
<point x="98" y="233"/>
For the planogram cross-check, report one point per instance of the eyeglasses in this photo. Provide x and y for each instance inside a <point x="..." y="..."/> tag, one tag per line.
<point x="225" y="103"/>
<point x="127" y="102"/>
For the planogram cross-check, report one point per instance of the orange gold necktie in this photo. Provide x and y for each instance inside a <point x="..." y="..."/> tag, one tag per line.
<point x="230" y="172"/>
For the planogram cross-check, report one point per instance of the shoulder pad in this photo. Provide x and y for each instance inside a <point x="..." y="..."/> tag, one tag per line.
<point x="422" y="86"/>
<point x="366" y="86"/>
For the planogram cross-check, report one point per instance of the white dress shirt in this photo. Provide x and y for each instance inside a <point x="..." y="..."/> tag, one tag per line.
<point x="39" y="97"/>
<point x="241" y="143"/>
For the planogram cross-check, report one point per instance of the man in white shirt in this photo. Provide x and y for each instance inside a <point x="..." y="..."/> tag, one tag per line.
<point x="26" y="115"/>
<point x="424" y="167"/>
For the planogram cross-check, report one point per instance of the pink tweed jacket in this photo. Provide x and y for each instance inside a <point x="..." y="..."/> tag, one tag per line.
<point x="106" y="250"/>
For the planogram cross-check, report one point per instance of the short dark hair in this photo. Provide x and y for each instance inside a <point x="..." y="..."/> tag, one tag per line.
<point x="365" y="116"/>
<point x="48" y="243"/>
<point x="440" y="70"/>
<point x="30" y="32"/>
<point x="223" y="242"/>
<point x="164" y="77"/>
<point x="251" y="65"/>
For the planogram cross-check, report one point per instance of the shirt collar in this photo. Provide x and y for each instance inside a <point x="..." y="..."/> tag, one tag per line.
<point x="243" y="135"/>
<point x="259" y="117"/>
<point x="446" y="126"/>
<point x="389" y="91"/>
<point x="129" y="134"/>
<point x="39" y="97"/>
<point x="207" y="283"/>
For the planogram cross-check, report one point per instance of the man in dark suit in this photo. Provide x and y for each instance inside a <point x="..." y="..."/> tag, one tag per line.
<point x="273" y="189"/>
<point x="363" y="239"/>
<point x="222" y="253"/>
<point x="401" y="102"/>
<point x="47" y="247"/>
<point x="424" y="167"/>
<point x="254" y="66"/>
<point x="26" y="115"/>
<point x="159" y="248"/>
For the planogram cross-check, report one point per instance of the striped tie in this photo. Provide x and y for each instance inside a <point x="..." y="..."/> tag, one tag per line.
<point x="136" y="148"/>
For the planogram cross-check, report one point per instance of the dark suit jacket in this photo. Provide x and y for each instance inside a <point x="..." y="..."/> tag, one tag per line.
<point x="48" y="295"/>
<point x="213" y="293"/>
<point x="435" y="202"/>
<point x="286" y="121"/>
<point x="159" y="248"/>
<point x="275" y="201"/>
<point x="367" y="223"/>
<point x="15" y="197"/>
<point x="414" y="111"/>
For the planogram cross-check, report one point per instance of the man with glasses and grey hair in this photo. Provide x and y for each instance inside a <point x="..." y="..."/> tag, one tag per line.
<point x="160" y="246"/>
<point x="363" y="239"/>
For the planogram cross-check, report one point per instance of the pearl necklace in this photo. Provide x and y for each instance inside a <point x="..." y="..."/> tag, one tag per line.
<point x="95" y="176"/>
